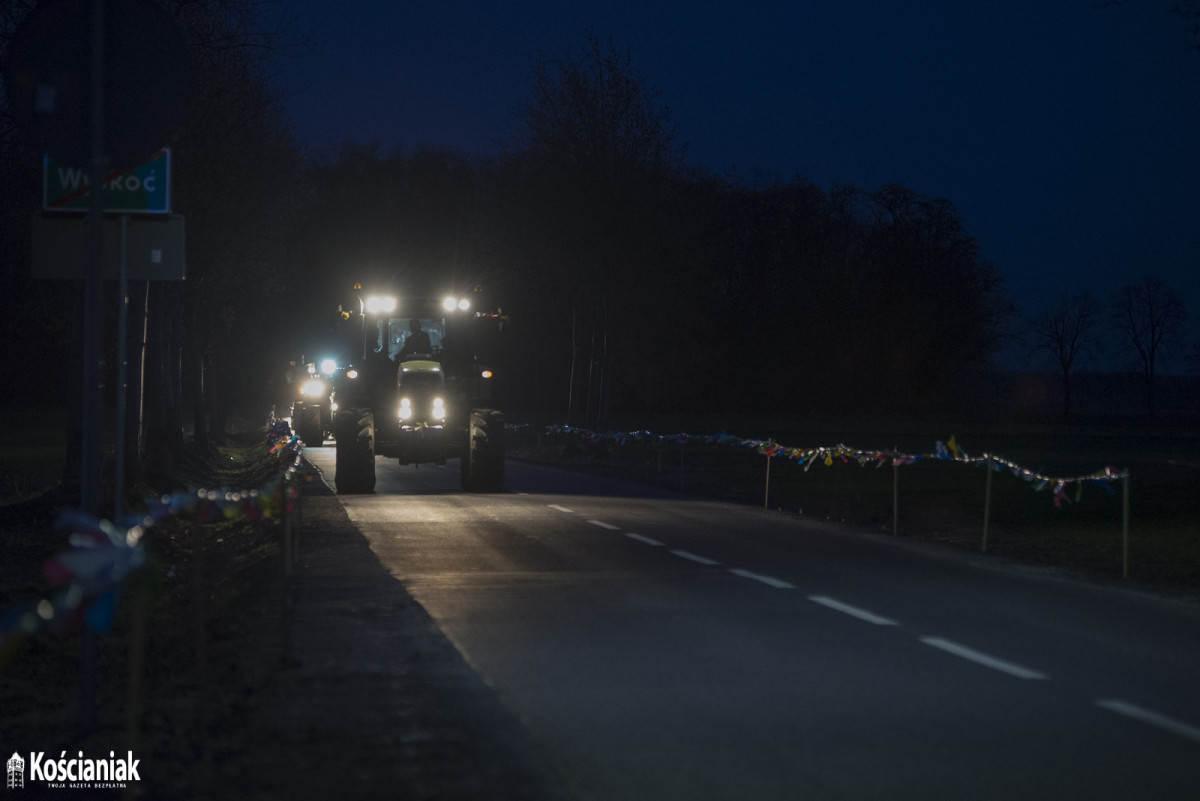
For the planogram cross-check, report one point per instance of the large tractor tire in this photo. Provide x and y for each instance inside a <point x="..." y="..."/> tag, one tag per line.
<point x="354" y="473"/>
<point x="483" y="457"/>
<point x="309" y="427"/>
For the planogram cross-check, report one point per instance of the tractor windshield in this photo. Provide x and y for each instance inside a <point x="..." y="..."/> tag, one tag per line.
<point x="399" y="333"/>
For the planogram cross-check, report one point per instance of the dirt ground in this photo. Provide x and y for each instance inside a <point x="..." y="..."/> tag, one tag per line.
<point x="329" y="683"/>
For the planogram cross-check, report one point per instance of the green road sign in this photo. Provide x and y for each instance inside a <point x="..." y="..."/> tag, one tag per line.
<point x="142" y="189"/>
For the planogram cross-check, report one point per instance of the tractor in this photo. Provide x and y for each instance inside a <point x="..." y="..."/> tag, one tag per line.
<point x="312" y="417"/>
<point x="421" y="390"/>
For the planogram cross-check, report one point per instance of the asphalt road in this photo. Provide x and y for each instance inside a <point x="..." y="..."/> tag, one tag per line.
<point x="662" y="646"/>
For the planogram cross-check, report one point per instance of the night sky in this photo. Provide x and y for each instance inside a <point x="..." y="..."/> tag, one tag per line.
<point x="1067" y="134"/>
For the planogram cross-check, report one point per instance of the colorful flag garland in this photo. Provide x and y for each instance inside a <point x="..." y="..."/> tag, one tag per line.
<point x="103" y="554"/>
<point x="807" y="457"/>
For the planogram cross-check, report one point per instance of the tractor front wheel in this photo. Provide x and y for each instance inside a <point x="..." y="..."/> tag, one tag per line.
<point x="354" y="472"/>
<point x="483" y="456"/>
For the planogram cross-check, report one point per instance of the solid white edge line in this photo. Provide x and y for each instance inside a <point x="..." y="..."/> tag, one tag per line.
<point x="693" y="557"/>
<point x="853" y="611"/>
<point x="558" y="508"/>
<point x="1150" y="716"/>
<point x="778" y="584"/>
<point x="602" y="524"/>
<point x="640" y="538"/>
<point x="983" y="659"/>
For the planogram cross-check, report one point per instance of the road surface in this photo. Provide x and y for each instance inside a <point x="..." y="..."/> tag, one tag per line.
<point x="662" y="646"/>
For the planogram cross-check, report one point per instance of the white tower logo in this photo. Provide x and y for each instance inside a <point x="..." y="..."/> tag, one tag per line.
<point x="16" y="772"/>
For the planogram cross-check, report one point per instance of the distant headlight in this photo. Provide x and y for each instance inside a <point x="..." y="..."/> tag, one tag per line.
<point x="314" y="388"/>
<point x="328" y="367"/>
<point x="352" y="374"/>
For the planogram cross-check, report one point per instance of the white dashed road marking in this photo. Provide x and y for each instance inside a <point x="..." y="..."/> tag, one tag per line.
<point x="1150" y="716"/>
<point x="693" y="557"/>
<point x="778" y="584"/>
<point x="983" y="659"/>
<point x="853" y="611"/>
<point x="556" y="507"/>
<point x="640" y="538"/>
<point x="602" y="524"/>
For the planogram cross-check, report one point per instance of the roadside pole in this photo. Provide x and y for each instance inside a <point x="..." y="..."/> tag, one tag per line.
<point x="1125" y="524"/>
<point x="89" y="479"/>
<point x="123" y="362"/>
<point x="92" y="319"/>
<point x="895" y="493"/>
<point x="767" y="488"/>
<point x="987" y="502"/>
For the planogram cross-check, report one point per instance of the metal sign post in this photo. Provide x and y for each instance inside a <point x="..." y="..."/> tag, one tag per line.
<point x="123" y="361"/>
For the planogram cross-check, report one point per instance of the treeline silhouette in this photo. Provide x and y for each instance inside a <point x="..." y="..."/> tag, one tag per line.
<point x="666" y="290"/>
<point x="634" y="281"/>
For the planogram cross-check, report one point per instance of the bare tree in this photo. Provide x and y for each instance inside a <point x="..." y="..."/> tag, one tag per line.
<point x="594" y="111"/>
<point x="1189" y="10"/>
<point x="1067" y="332"/>
<point x="599" y="139"/>
<point x="1186" y="10"/>
<point x="1150" y="315"/>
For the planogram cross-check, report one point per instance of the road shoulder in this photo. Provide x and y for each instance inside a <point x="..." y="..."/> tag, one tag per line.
<point x="372" y="699"/>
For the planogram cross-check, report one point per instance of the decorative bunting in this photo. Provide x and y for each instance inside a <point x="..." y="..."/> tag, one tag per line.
<point x="104" y="553"/>
<point x="949" y="450"/>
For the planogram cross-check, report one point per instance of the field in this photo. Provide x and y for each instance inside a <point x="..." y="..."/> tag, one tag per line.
<point x="942" y="500"/>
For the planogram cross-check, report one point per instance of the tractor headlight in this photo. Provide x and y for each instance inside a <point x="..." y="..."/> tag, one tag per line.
<point x="313" y="388"/>
<point x="405" y="408"/>
<point x="439" y="409"/>
<point x="379" y="304"/>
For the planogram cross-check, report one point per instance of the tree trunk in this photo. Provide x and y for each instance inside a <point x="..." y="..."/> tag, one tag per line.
<point x="1066" y="395"/>
<point x="163" y="419"/>
<point x="72" y="478"/>
<point x="193" y="385"/>
<point x="574" y="359"/>
<point x="135" y="377"/>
